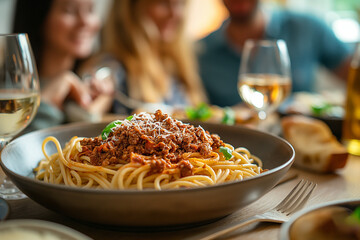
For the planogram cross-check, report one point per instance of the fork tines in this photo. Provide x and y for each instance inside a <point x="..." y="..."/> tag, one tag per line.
<point x="297" y="198"/>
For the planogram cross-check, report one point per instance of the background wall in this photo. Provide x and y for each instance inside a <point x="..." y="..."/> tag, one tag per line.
<point x="204" y="16"/>
<point x="6" y="14"/>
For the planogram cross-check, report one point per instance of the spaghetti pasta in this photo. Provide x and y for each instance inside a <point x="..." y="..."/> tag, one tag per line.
<point x="147" y="151"/>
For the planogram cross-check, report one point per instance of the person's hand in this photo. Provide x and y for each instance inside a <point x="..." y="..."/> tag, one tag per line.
<point x="101" y="82"/>
<point x="66" y="86"/>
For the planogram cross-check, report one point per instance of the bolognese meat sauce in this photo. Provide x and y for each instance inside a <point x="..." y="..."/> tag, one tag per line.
<point x="153" y="139"/>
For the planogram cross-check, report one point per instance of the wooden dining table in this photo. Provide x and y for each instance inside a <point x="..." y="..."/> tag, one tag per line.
<point x="341" y="185"/>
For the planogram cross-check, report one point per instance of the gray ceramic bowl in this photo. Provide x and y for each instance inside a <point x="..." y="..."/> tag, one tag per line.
<point x="147" y="207"/>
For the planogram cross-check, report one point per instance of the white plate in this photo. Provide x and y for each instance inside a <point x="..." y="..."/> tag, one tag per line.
<point x="286" y="227"/>
<point x="37" y="229"/>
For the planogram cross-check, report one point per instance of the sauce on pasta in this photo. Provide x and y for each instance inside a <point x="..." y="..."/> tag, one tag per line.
<point x="147" y="151"/>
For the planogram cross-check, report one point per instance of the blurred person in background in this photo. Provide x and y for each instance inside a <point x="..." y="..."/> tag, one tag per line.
<point x="61" y="33"/>
<point x="150" y="55"/>
<point x="310" y="43"/>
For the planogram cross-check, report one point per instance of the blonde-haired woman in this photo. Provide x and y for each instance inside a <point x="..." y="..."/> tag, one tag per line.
<point x="155" y="61"/>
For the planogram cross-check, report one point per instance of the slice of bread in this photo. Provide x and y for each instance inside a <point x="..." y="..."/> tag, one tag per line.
<point x="315" y="147"/>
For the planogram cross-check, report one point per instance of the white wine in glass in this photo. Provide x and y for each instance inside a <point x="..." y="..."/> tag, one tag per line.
<point x="264" y="77"/>
<point x="19" y="95"/>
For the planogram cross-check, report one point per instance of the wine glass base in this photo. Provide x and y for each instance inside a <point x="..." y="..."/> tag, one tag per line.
<point x="13" y="196"/>
<point x="9" y="191"/>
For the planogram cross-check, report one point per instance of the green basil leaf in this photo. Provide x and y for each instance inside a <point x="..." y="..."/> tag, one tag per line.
<point x="201" y="112"/>
<point x="191" y="113"/>
<point x="321" y="108"/>
<point x="108" y="129"/>
<point x="227" y="152"/>
<point x="129" y="117"/>
<point x="229" y="116"/>
<point x="356" y="214"/>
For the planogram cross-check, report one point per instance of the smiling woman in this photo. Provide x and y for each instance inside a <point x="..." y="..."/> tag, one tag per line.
<point x="62" y="32"/>
<point x="153" y="61"/>
<point x="70" y="27"/>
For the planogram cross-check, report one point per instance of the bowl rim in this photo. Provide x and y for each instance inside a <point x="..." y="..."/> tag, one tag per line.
<point x="60" y="128"/>
<point x="285" y="227"/>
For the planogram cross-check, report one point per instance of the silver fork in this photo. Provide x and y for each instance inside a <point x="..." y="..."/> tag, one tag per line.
<point x="294" y="201"/>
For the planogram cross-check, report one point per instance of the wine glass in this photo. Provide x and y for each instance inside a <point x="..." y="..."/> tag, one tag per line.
<point x="264" y="77"/>
<point x="19" y="95"/>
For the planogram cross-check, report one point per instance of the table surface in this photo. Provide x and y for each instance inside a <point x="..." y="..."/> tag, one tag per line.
<point x="342" y="185"/>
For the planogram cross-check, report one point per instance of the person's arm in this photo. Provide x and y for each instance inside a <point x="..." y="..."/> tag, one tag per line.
<point x="334" y="54"/>
<point x="117" y="79"/>
<point x="65" y="86"/>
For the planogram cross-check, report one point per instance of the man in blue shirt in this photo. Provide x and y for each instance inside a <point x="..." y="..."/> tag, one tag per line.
<point x="310" y="43"/>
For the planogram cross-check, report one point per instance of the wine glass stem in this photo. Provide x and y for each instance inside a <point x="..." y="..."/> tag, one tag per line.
<point x="3" y="142"/>
<point x="262" y="115"/>
<point x="263" y="124"/>
<point x="7" y="189"/>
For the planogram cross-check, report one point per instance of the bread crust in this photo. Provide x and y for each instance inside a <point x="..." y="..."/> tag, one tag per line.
<point x="316" y="148"/>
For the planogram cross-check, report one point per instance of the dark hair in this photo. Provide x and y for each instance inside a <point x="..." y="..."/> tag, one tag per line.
<point x="29" y="17"/>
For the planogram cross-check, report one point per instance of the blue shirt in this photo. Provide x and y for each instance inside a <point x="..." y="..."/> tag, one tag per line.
<point x="310" y="42"/>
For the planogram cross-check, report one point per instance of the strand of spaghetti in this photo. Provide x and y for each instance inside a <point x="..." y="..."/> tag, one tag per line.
<point x="205" y="166"/>
<point x="49" y="170"/>
<point x="148" y="185"/>
<point x="78" y="145"/>
<point x="134" y="174"/>
<point x="258" y="161"/>
<point x="122" y="171"/>
<point x="61" y="156"/>
<point x="218" y="174"/>
<point x="224" y="175"/>
<point x="157" y="180"/>
<point x="140" y="180"/>
<point x="85" y="158"/>
<point x="99" y="180"/>
<point x="72" y="164"/>
<point x="244" y="158"/>
<point x="77" y="177"/>
<point x="151" y="178"/>
<point x="41" y="175"/>
<point x="249" y="171"/>
<point x="58" y="179"/>
<point x="199" y="184"/>
<point x="178" y="184"/>
<point x="89" y="168"/>
<point x="228" y="145"/>
<point x="235" y="175"/>
<point x="199" y="178"/>
<point x="63" y="172"/>
<point x="243" y="150"/>
<point x="213" y="155"/>
<point x="89" y="184"/>
<point x="70" y="146"/>
<point x="248" y="174"/>
<point x="249" y="166"/>
<point x="233" y="167"/>
<point x="67" y="179"/>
